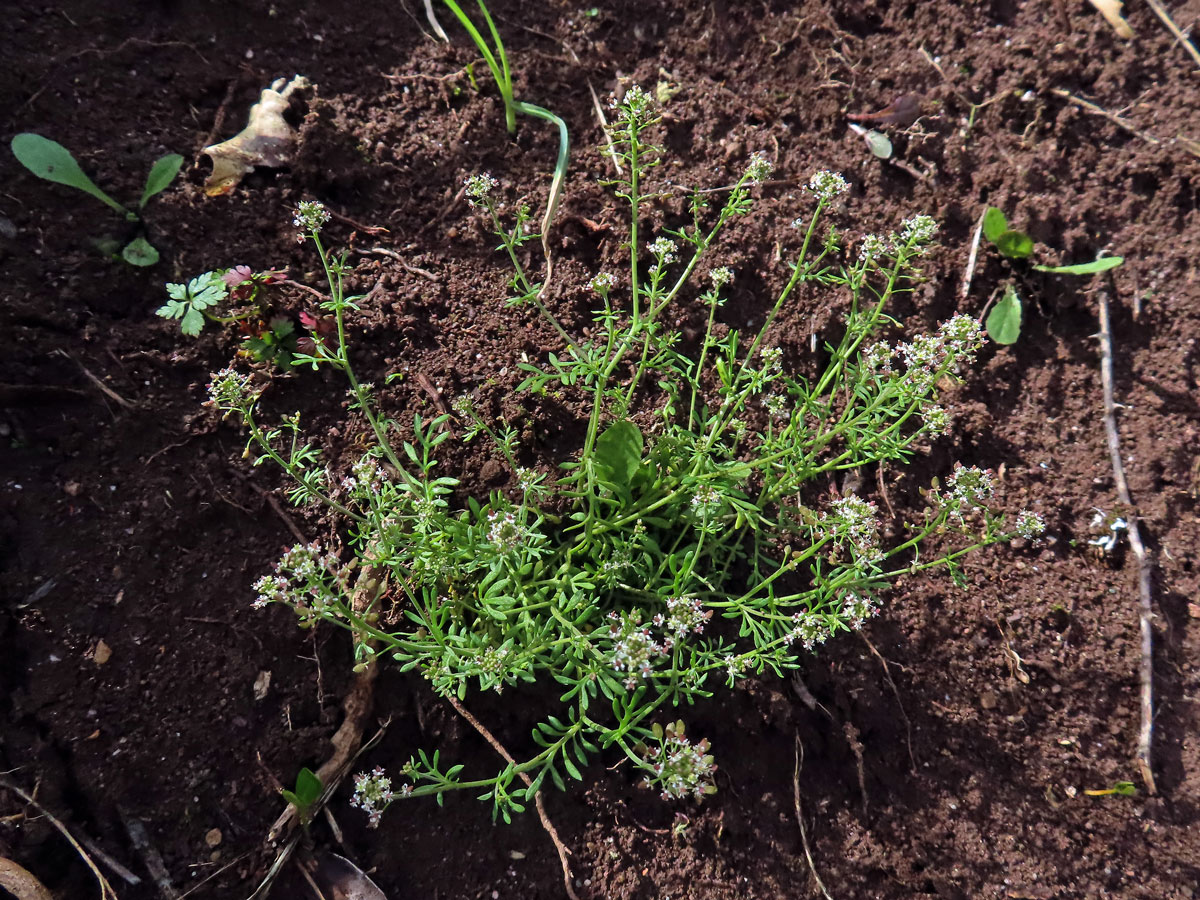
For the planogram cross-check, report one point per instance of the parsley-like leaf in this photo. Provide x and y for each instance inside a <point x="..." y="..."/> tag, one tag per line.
<point x="189" y="301"/>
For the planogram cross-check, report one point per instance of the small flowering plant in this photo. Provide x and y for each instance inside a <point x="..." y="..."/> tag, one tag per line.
<point x="691" y="541"/>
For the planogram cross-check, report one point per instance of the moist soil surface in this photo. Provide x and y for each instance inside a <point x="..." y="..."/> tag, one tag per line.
<point x="948" y="751"/>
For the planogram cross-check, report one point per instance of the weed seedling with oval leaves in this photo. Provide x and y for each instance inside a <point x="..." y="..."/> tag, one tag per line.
<point x="52" y="161"/>
<point x="1004" y="321"/>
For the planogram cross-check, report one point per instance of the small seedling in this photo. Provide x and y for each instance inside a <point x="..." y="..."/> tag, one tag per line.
<point x="268" y="338"/>
<point x="1018" y="245"/>
<point x="1004" y="321"/>
<point x="306" y="796"/>
<point x="1123" y="788"/>
<point x="1011" y="243"/>
<point x="52" y="161"/>
<point x="497" y="62"/>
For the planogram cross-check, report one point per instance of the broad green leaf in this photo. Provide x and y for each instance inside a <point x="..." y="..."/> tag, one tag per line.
<point x="619" y="452"/>
<point x="52" y="161"/>
<point x="162" y="173"/>
<point x="308" y="787"/>
<point x="1015" y="244"/>
<point x="1004" y="321"/>
<point x="1103" y="264"/>
<point x="994" y="224"/>
<point x="139" y="252"/>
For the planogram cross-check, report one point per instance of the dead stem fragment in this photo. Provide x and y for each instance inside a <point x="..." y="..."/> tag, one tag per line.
<point x="1145" y="608"/>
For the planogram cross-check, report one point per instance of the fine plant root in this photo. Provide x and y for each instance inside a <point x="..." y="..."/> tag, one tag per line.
<point x="887" y="672"/>
<point x="106" y="889"/>
<point x="563" y="852"/>
<point x="856" y="746"/>
<point x="812" y="866"/>
<point x="1145" y="608"/>
<point x="1180" y="36"/>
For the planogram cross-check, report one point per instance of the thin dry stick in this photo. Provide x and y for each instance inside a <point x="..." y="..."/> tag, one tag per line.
<point x="1100" y="111"/>
<point x="1145" y="610"/>
<point x="104" y="388"/>
<point x="563" y="852"/>
<point x="106" y="889"/>
<point x="612" y="150"/>
<point x="973" y="257"/>
<point x="800" y="817"/>
<point x="1174" y="29"/>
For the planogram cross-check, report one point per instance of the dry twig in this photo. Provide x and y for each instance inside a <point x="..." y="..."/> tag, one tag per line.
<point x="1145" y="610"/>
<point x="106" y="889"/>
<point x="1100" y="111"/>
<point x="800" y="818"/>
<point x="1180" y="36"/>
<point x="563" y="852"/>
<point x="973" y="257"/>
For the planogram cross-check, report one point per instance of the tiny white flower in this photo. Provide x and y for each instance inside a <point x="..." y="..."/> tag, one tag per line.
<point x="918" y="230"/>
<point x="759" y="168"/>
<point x="828" y="185"/>
<point x="664" y="249"/>
<point x="1030" y="524"/>
<point x="603" y="283"/>
<point x="310" y="216"/>
<point x="479" y="187"/>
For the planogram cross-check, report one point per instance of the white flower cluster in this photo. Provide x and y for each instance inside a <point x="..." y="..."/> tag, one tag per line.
<point x="967" y="488"/>
<point x="373" y="794"/>
<point x="230" y="390"/>
<point x="634" y="647"/>
<point x="873" y="248"/>
<point x="772" y="359"/>
<point x="504" y="531"/>
<point x="810" y="628"/>
<point x="634" y="107"/>
<point x="664" y="250"/>
<point x="721" y="276"/>
<point x="854" y="521"/>
<point x="937" y="420"/>
<point x="479" y="188"/>
<point x="858" y="609"/>
<point x="603" y="283"/>
<point x="828" y="185"/>
<point x="760" y="167"/>
<point x="310" y="216"/>
<point x="680" y="768"/>
<point x="918" y="230"/>
<point x="300" y="579"/>
<point x="706" y="500"/>
<point x="1030" y="525"/>
<point x="684" y="614"/>
<point x="956" y="342"/>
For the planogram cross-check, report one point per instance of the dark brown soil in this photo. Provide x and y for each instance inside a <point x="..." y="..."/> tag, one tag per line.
<point x="139" y="525"/>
